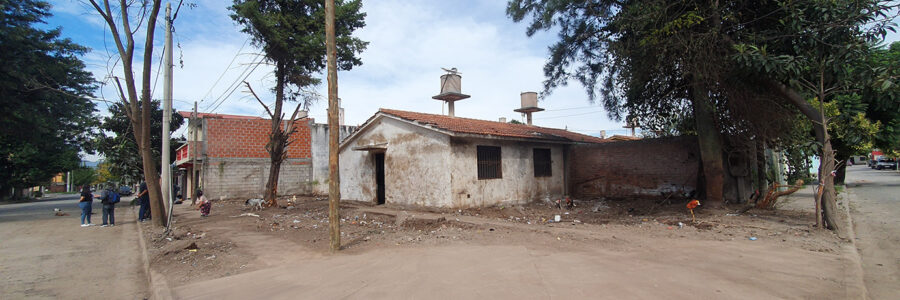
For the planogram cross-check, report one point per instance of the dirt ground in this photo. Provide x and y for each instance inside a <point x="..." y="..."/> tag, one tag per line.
<point x="46" y="254"/>
<point x="235" y="239"/>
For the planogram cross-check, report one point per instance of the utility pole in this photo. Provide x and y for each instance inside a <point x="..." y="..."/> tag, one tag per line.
<point x="334" y="178"/>
<point x="166" y="164"/>
<point x="192" y="146"/>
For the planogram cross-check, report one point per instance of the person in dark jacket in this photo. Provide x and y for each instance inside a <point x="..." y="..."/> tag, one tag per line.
<point x="85" y="204"/>
<point x="109" y="209"/>
<point x="144" y="198"/>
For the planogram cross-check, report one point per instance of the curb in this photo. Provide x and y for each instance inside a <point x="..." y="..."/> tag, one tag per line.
<point x="855" y="257"/>
<point x="158" y="288"/>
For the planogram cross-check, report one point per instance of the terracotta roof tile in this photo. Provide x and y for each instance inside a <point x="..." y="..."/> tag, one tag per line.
<point x="484" y="127"/>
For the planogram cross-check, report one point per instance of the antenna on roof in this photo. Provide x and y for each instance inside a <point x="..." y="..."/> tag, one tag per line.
<point x="451" y="89"/>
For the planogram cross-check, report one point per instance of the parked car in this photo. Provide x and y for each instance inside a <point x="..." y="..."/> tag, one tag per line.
<point x="125" y="190"/>
<point x="872" y="163"/>
<point x="888" y="163"/>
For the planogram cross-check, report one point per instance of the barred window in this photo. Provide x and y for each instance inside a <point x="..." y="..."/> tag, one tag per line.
<point x="489" y="166"/>
<point x="542" y="163"/>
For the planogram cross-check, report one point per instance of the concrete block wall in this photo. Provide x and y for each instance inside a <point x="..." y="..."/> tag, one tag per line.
<point x="643" y="168"/>
<point x="246" y="178"/>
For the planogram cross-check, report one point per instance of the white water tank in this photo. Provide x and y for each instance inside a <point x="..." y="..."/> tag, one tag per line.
<point x="451" y="83"/>
<point x="502" y="119"/>
<point x="529" y="99"/>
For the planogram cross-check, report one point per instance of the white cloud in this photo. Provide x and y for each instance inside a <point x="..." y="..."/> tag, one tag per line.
<point x="409" y="42"/>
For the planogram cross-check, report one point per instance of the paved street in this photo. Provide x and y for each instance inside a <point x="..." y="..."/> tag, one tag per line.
<point x="875" y="206"/>
<point x="43" y="256"/>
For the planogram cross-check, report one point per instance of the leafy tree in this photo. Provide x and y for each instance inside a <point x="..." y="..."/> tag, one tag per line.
<point x="83" y="176"/>
<point x="119" y="20"/>
<point x="816" y="50"/>
<point x="104" y="175"/>
<point x="44" y="92"/>
<point x="883" y="95"/>
<point x="121" y="150"/>
<point x="292" y="36"/>
<point x="751" y="65"/>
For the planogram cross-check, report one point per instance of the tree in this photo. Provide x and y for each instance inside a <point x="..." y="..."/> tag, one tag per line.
<point x="83" y="176"/>
<point x="121" y="150"/>
<point x="649" y="61"/>
<point x="44" y="92"/>
<point x="104" y="175"/>
<point x="812" y="54"/>
<point x="747" y="62"/>
<point x="136" y="108"/>
<point x="292" y="36"/>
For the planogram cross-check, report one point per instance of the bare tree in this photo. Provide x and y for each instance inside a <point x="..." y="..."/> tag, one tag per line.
<point x="137" y="108"/>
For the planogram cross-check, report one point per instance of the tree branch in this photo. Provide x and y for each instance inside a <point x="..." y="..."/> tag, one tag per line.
<point x="125" y="106"/>
<point x="260" y="101"/>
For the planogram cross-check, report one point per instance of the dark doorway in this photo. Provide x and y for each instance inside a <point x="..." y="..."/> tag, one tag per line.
<point x="379" y="176"/>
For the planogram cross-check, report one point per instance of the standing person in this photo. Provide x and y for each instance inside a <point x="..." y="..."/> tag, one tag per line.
<point x="108" y="198"/>
<point x="85" y="204"/>
<point x="205" y="206"/>
<point x="144" y="197"/>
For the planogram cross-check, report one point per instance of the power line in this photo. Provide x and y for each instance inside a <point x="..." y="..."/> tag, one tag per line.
<point x="231" y="86"/>
<point x="571" y="108"/>
<point x="236" y="86"/>
<point x="581" y="114"/>
<point x="224" y="71"/>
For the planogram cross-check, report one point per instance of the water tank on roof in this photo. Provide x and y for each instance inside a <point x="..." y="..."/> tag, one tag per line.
<point x="451" y="83"/>
<point x="529" y="99"/>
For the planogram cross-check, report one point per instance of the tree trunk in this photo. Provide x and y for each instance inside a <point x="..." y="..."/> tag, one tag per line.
<point x="710" y="143"/>
<point x="277" y="139"/>
<point x="762" y="184"/>
<point x="841" y="174"/>
<point x="829" y="206"/>
<point x="826" y="181"/>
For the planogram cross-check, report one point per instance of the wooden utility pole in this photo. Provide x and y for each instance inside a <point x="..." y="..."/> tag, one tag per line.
<point x="192" y="146"/>
<point x="334" y="179"/>
<point x="166" y="165"/>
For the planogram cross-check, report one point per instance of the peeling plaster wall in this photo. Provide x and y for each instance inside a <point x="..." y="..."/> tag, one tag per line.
<point x="416" y="165"/>
<point x="319" y="138"/>
<point x="517" y="185"/>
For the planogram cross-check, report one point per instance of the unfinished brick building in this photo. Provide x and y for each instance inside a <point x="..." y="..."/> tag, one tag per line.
<point x="232" y="161"/>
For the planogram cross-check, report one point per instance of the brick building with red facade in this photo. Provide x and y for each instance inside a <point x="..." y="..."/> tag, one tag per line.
<point x="232" y="161"/>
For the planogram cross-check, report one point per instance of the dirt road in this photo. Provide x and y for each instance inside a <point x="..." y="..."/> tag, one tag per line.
<point x="43" y="256"/>
<point x="875" y="206"/>
<point x="645" y="260"/>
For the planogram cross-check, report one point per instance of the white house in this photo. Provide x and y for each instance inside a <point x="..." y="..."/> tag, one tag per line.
<point x="419" y="159"/>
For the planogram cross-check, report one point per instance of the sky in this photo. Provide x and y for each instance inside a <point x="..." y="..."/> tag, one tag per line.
<point x="410" y="41"/>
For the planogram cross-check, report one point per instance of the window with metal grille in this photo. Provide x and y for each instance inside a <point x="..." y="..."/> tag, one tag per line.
<point x="542" y="163"/>
<point x="489" y="166"/>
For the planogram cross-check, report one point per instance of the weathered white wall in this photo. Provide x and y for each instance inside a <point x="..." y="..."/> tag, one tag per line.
<point x="416" y="165"/>
<point x="518" y="184"/>
<point x="319" y="148"/>
<point x="246" y="177"/>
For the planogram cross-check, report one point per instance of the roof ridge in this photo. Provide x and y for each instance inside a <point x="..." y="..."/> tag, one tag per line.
<point x="387" y="110"/>
<point x="488" y="127"/>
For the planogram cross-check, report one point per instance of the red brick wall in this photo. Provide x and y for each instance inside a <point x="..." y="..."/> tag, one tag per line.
<point x="242" y="138"/>
<point x="644" y="168"/>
